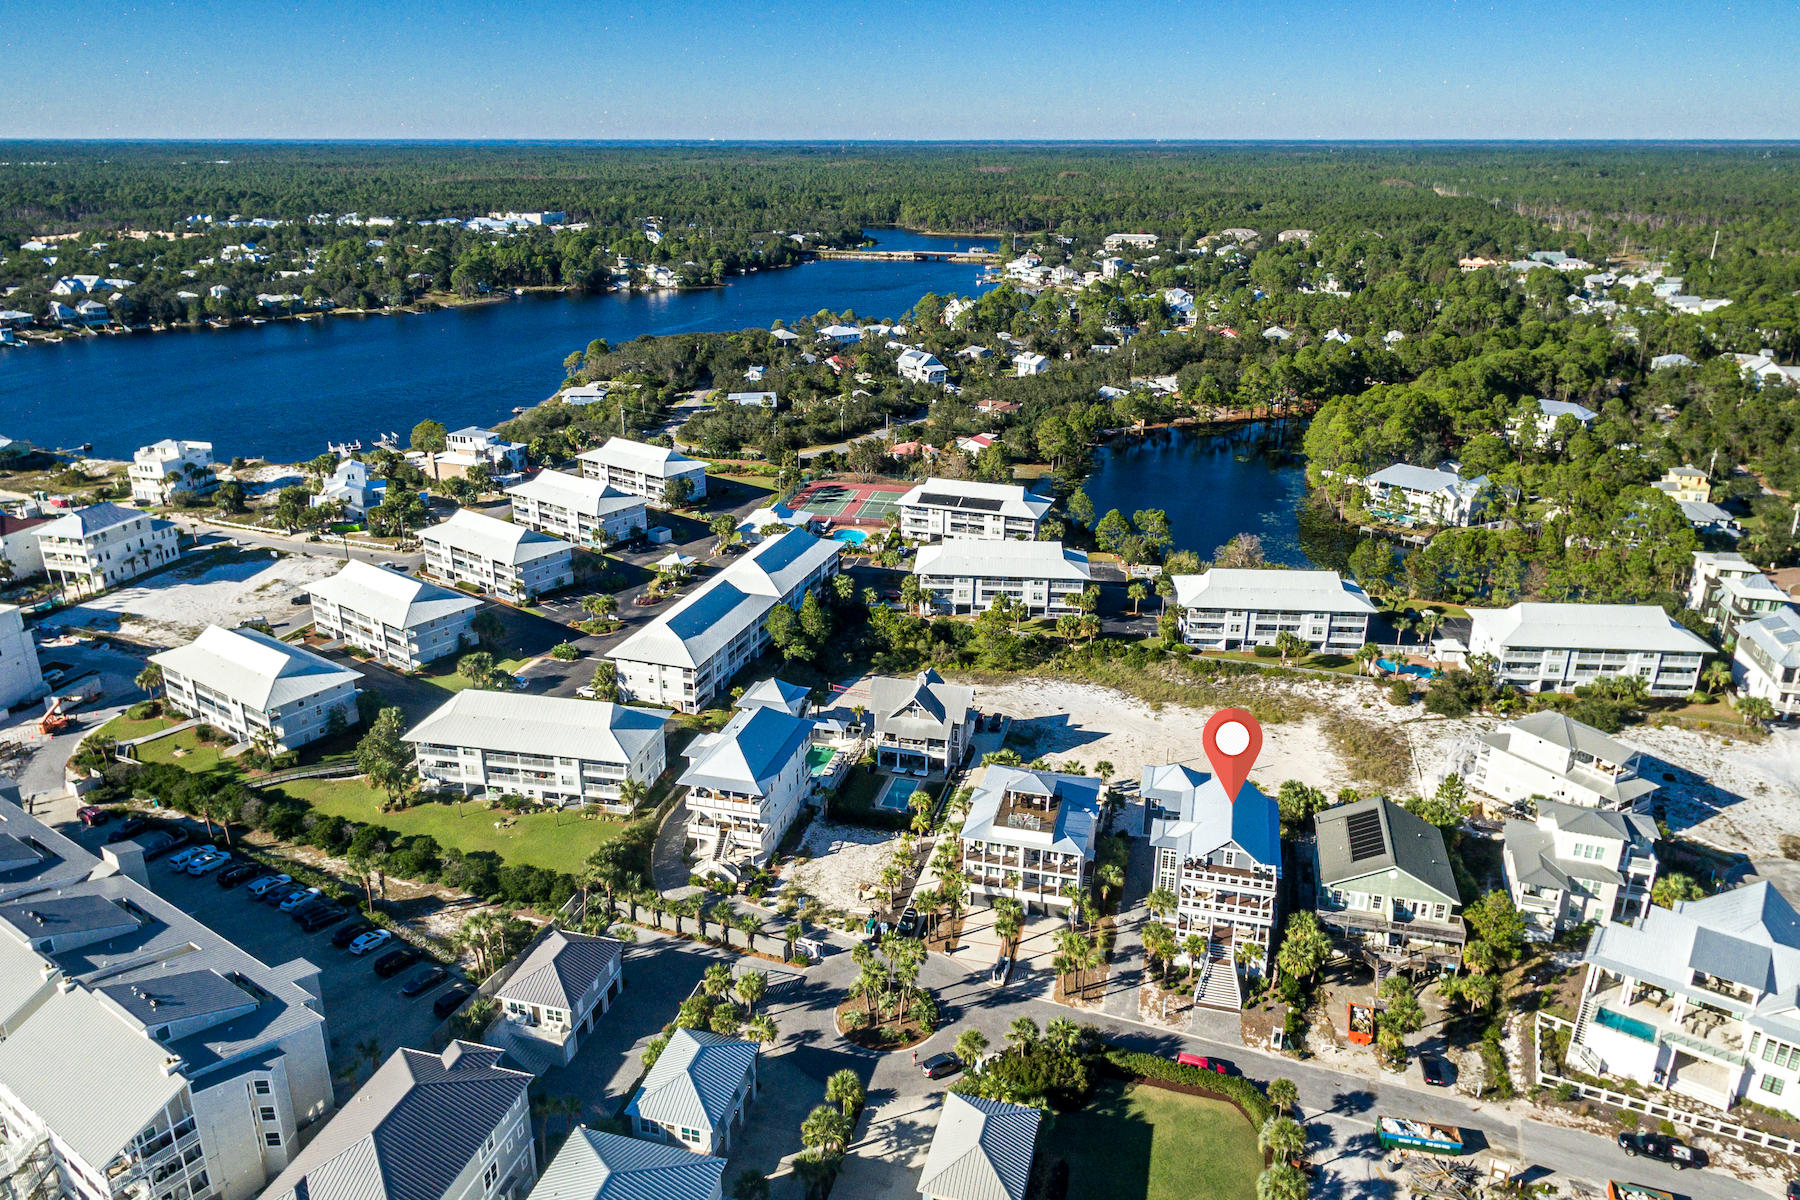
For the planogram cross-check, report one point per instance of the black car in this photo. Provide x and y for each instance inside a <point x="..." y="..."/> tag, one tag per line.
<point x="1677" y="1154"/>
<point x="159" y="842"/>
<point x="238" y="873"/>
<point x="275" y="897"/>
<point x="319" y="918"/>
<point x="940" y="1065"/>
<point x="909" y="923"/>
<point x="423" y="982"/>
<point x="350" y="933"/>
<point x="1437" y="1070"/>
<point x="395" y="961"/>
<point x="130" y="829"/>
<point x="307" y="908"/>
<point x="451" y="1000"/>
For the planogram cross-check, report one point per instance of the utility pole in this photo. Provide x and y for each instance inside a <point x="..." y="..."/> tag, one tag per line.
<point x="1715" y="246"/>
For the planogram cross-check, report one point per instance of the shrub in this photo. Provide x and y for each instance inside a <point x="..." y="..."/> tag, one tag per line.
<point x="1265" y="651"/>
<point x="1135" y="1064"/>
<point x="565" y="652"/>
<point x="1400" y="693"/>
<point x="144" y="710"/>
<point x="1628" y="1119"/>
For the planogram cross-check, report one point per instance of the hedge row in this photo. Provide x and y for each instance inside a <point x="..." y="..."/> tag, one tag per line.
<point x="1135" y="1064"/>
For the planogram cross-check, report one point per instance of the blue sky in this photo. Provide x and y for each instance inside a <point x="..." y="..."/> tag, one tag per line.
<point x="963" y="70"/>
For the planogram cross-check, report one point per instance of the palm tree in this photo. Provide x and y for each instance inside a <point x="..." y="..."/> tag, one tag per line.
<point x="760" y="1028"/>
<point x="1281" y="1182"/>
<point x="1159" y="945"/>
<point x="1062" y="1033"/>
<point x="825" y="1131"/>
<point x="750" y="988"/>
<point x="1072" y="947"/>
<point x="1429" y="622"/>
<point x="1009" y="922"/>
<point x="1365" y="657"/>
<point x="1137" y="593"/>
<point x="1282" y="1138"/>
<point x="971" y="1044"/>
<point x="750" y="1185"/>
<point x="716" y="980"/>
<point x="1283" y="1094"/>
<point x="1023" y="1034"/>
<point x="1111" y="878"/>
<point x="1715" y="678"/>
<point x="151" y="678"/>
<point x="846" y="1091"/>
<point x="1161" y="903"/>
<point x="1402" y="626"/>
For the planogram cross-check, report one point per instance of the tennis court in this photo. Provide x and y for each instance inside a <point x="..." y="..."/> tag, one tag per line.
<point x="850" y="501"/>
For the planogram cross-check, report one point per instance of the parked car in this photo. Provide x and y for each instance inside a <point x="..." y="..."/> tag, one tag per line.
<point x="368" y="941"/>
<point x="92" y="815"/>
<point x="423" y="982"/>
<point x="179" y="860"/>
<point x="300" y="601"/>
<point x="450" y="1000"/>
<point x="396" y="961"/>
<point x="940" y="1065"/>
<point x="308" y="906"/>
<point x="1217" y="1066"/>
<point x="274" y="896"/>
<point x="1677" y="1154"/>
<point x="269" y="883"/>
<point x="909" y="922"/>
<point x="1437" y="1070"/>
<point x="207" y="863"/>
<point x="349" y="933"/>
<point x="238" y="873"/>
<point x="159" y="842"/>
<point x="318" y="918"/>
<point x="130" y="829"/>
<point x="1002" y="968"/>
<point x="296" y="899"/>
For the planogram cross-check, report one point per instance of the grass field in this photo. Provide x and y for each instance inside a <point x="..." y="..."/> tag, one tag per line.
<point x="442" y="674"/>
<point x="122" y="728"/>
<point x="554" y="840"/>
<point x="1134" y="1142"/>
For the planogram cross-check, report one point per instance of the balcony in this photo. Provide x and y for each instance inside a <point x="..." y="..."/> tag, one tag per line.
<point x="1024" y="810"/>
<point x="1232" y="877"/>
<point x="1451" y="932"/>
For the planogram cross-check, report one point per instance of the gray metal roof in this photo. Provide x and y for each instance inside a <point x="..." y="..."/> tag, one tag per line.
<point x="84" y="522"/>
<point x="410" y="1130"/>
<point x="694" y="1080"/>
<point x="776" y="693"/>
<point x="179" y="996"/>
<point x="1749" y="935"/>
<point x="749" y="753"/>
<point x="1408" y="844"/>
<point x="560" y="969"/>
<point x="560" y="726"/>
<point x="1627" y="627"/>
<point x="493" y="539"/>
<point x="921" y="707"/>
<point x="1077" y="810"/>
<point x="64" y="916"/>
<point x="390" y="597"/>
<point x="588" y="497"/>
<point x="1271" y="589"/>
<point x="978" y="558"/>
<point x="1208" y="820"/>
<point x="1778" y="635"/>
<point x="981" y="1150"/>
<point x="258" y="671"/>
<point x="604" y="1166"/>
<point x="1565" y="731"/>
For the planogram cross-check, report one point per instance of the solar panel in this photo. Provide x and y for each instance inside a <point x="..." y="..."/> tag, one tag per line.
<point x="981" y="503"/>
<point x="937" y="499"/>
<point x="1364" y="830"/>
<point x="944" y="500"/>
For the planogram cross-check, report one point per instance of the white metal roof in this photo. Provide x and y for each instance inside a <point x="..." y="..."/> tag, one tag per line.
<point x="1778" y="635"/>
<point x="493" y="539"/>
<point x="589" y="497"/>
<point x="974" y="557"/>
<point x="605" y="1166"/>
<point x="1013" y="500"/>
<point x="511" y="723"/>
<point x="694" y="1079"/>
<point x="393" y="599"/>
<point x="981" y="1150"/>
<point x="1584" y="627"/>
<point x="642" y="457"/>
<point x="1271" y="589"/>
<point x="253" y="668"/>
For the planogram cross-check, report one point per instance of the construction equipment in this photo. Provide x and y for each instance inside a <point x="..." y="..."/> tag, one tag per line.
<point x="1398" y="1133"/>
<point x="1361" y="1023"/>
<point x="54" y="720"/>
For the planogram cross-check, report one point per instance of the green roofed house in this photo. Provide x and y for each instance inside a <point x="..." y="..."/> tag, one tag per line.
<point x="981" y="1150"/>
<point x="1385" y="887"/>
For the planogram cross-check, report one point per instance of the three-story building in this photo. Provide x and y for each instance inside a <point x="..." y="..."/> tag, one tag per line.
<point x="507" y="560"/>
<point x="1031" y="835"/>
<point x="102" y="546"/>
<point x="257" y="688"/>
<point x="402" y="621"/>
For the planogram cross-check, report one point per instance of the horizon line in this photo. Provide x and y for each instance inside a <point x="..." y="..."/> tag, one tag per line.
<point x="876" y="141"/>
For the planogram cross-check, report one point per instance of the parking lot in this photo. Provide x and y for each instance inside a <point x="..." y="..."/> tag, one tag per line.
<point x="359" y="1005"/>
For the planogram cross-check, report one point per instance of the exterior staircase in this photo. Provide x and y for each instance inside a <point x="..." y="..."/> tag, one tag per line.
<point x="1578" y="1052"/>
<point x="1219" y="980"/>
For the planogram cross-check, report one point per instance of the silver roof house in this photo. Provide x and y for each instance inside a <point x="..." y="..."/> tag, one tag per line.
<point x="981" y="1150"/>
<point x="417" y="1130"/>
<point x="604" y="1166"/>
<point x="697" y="1092"/>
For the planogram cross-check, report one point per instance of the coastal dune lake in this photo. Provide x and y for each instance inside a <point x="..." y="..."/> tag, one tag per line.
<point x="284" y="389"/>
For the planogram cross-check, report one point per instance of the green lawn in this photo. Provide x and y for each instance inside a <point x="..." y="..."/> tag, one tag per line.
<point x="1135" y="1142"/>
<point x="122" y="728"/>
<point x="557" y="841"/>
<point x="443" y="672"/>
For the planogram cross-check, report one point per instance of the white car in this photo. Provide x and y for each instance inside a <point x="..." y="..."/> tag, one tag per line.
<point x="178" y="861"/>
<point x="269" y="882"/>
<point x="212" y="860"/>
<point x="370" y="940"/>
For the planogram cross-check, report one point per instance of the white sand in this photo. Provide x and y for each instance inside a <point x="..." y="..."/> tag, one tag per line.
<point x="173" y="607"/>
<point x="844" y="859"/>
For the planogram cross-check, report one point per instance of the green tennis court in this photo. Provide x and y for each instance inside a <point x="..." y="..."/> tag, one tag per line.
<point x="850" y="500"/>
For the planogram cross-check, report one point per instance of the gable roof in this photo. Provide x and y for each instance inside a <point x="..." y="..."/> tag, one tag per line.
<point x="1749" y="935"/>
<point x="942" y="706"/>
<point x="981" y="1150"/>
<point x="493" y="539"/>
<point x="978" y="558"/>
<point x="642" y="457"/>
<point x="588" y="497"/>
<point x="694" y="1079"/>
<point x="561" y="968"/>
<point x="1206" y="819"/>
<point x="253" y="668"/>
<point x="749" y="753"/>
<point x="1006" y="499"/>
<point x="409" y="1131"/>
<point x="1429" y="480"/>
<point x="1643" y="627"/>
<point x="791" y="698"/>
<point x="1406" y="844"/>
<point x="1777" y="636"/>
<point x="393" y="599"/>
<point x="559" y="726"/>
<point x="605" y="1166"/>
<point x="1270" y="588"/>
<point x="84" y="522"/>
<point x="1077" y="809"/>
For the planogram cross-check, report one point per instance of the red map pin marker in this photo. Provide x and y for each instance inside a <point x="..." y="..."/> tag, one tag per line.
<point x="1233" y="740"/>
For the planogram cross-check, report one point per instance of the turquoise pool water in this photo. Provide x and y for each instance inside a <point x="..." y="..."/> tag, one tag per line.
<point x="1643" y="1031"/>
<point x="818" y="759"/>
<point x="855" y="537"/>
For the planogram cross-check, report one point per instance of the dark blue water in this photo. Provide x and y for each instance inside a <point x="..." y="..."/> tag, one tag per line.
<point x="1213" y="486"/>
<point x="283" y="390"/>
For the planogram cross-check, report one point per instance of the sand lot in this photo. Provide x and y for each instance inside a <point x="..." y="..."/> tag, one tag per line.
<point x="844" y="857"/>
<point x="172" y="608"/>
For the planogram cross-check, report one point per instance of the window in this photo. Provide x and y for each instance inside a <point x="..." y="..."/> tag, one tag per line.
<point x="490" y="1175"/>
<point x="272" y="1138"/>
<point x="1772" y="1084"/>
<point x="260" y="1087"/>
<point x="1781" y="1054"/>
<point x="266" y="1113"/>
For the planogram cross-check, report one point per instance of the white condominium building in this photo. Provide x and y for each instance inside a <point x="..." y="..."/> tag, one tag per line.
<point x="1031" y="835"/>
<point x="510" y="561"/>
<point x="20" y="676"/>
<point x="685" y="658"/>
<point x="965" y="575"/>
<point x="553" y="749"/>
<point x="1434" y="496"/>
<point x="104" y="545"/>
<point x="587" y="512"/>
<point x="255" y="687"/>
<point x="1556" y="647"/>
<point x="1766" y="662"/>
<point x="1225" y="608"/>
<point x="966" y="508"/>
<point x="160" y="470"/>
<point x="1555" y="757"/>
<point x="144" y="1057"/>
<point x="404" y="622"/>
<point x="746" y="784"/>
<point x="639" y="469"/>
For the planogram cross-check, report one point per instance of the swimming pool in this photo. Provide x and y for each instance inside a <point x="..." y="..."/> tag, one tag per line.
<point x="854" y="537"/>
<point x="1416" y="672"/>
<point x="1643" y="1031"/>
<point x="818" y="759"/>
